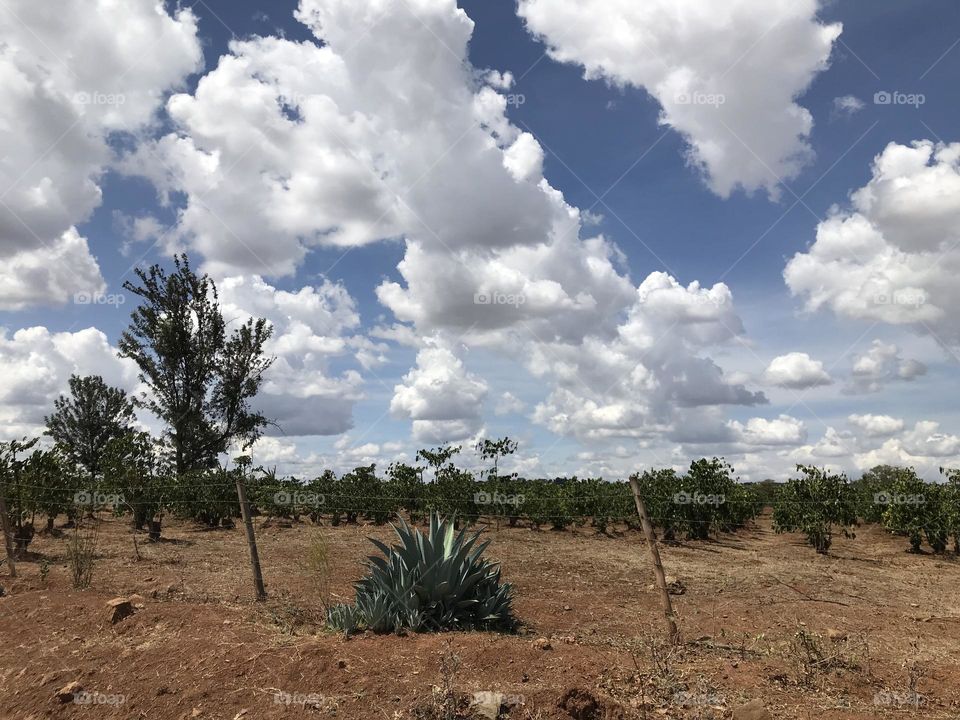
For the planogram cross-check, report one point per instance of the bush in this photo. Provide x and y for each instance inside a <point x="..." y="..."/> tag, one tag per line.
<point x="437" y="581"/>
<point x="911" y="507"/>
<point x="813" y="504"/>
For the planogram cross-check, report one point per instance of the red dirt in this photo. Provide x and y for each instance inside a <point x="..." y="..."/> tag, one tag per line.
<point x="201" y="647"/>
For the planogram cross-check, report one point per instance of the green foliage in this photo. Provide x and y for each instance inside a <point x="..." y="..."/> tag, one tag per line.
<point x="813" y="504"/>
<point x="201" y="380"/>
<point x="901" y="498"/>
<point x="84" y="423"/>
<point x="428" y="582"/>
<point x="47" y="484"/>
<point x="136" y="472"/>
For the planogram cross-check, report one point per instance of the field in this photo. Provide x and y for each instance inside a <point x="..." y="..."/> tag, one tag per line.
<point x="867" y="631"/>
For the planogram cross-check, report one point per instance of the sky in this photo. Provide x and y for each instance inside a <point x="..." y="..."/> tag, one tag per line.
<point x="626" y="234"/>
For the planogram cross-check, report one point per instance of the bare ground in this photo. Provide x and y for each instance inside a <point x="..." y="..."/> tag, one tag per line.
<point x="756" y="618"/>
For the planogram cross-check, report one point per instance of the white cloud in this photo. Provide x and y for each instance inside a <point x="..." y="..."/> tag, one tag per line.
<point x="55" y="273"/>
<point x="382" y="132"/>
<point x="311" y="327"/>
<point x="895" y="254"/>
<point x="880" y="365"/>
<point x="797" y="371"/>
<point x="783" y="430"/>
<point x="70" y="79"/>
<point x="508" y="404"/>
<point x="924" y="447"/>
<point x="36" y="365"/>
<point x="726" y="74"/>
<point x="440" y="396"/>
<point x="876" y="425"/>
<point x="848" y="105"/>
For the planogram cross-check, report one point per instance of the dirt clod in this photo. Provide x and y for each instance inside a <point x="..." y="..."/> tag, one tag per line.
<point x="118" y="609"/>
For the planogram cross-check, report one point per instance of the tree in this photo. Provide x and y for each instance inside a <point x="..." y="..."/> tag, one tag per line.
<point x="494" y="450"/>
<point x="50" y="480"/>
<point x="951" y="505"/>
<point x="438" y="457"/>
<point x="85" y="422"/>
<point x="11" y="486"/>
<point x="134" y="469"/>
<point x="201" y="380"/>
<point x="813" y="504"/>
<point x="907" y="507"/>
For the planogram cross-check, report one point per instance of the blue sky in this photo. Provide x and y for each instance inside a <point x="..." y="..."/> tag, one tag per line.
<point x="628" y="378"/>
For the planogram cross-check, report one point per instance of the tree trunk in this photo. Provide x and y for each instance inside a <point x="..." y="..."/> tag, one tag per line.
<point x="673" y="634"/>
<point x="7" y="533"/>
<point x="251" y="540"/>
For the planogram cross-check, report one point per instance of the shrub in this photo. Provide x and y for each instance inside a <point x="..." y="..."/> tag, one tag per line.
<point x="911" y="508"/>
<point x="437" y="581"/>
<point x="813" y="504"/>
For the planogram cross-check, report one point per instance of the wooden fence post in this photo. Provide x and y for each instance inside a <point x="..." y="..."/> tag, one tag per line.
<point x="673" y="634"/>
<point x="251" y="538"/>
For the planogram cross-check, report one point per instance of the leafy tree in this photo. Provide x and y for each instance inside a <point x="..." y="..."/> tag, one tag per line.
<point x="658" y="488"/>
<point x="951" y="505"/>
<point x="905" y="504"/>
<point x="405" y="483"/>
<point x="813" y="504"/>
<point x="87" y="420"/>
<point x="437" y="458"/>
<point x="12" y="486"/>
<point x="494" y="450"/>
<point x="136" y="471"/>
<point x="49" y="481"/>
<point x="201" y="379"/>
<point x="875" y="483"/>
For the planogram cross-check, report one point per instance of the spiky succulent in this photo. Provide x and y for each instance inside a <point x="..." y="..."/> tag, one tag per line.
<point x="437" y="581"/>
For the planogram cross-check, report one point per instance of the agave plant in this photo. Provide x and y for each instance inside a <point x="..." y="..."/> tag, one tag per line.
<point x="437" y="581"/>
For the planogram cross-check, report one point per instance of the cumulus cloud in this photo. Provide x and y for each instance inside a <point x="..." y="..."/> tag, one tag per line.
<point x="640" y="382"/>
<point x="880" y="365"/>
<point x="311" y="327"/>
<point x="440" y="396"/>
<point x="70" y="80"/>
<point x="782" y="430"/>
<point x="876" y="425"/>
<point x="797" y="371"/>
<point x="894" y="254"/>
<point x="383" y="131"/>
<point x="924" y="447"/>
<point x="726" y="75"/>
<point x="36" y="365"/>
<point x="508" y="404"/>
<point x="56" y="273"/>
